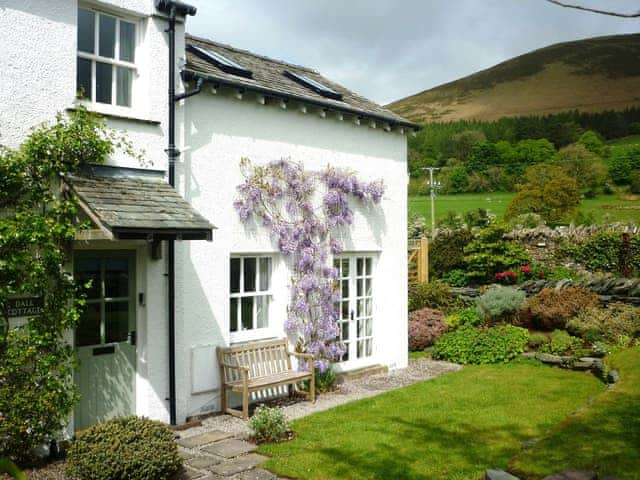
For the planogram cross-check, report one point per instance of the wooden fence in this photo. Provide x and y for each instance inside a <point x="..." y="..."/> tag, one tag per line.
<point x="418" y="261"/>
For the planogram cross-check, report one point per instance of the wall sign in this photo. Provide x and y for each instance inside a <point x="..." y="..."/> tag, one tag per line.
<point x="24" y="307"/>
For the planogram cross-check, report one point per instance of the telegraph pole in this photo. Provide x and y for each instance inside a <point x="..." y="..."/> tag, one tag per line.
<point x="433" y="186"/>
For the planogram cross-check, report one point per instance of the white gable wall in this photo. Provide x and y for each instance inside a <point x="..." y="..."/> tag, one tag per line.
<point x="219" y="130"/>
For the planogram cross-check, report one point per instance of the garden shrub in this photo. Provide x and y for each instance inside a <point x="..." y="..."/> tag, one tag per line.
<point x="455" y="278"/>
<point x="425" y="326"/>
<point x="481" y="345"/>
<point x="601" y="252"/>
<point x="466" y="316"/>
<point x="537" y="340"/>
<point x="325" y="381"/>
<point x="269" y="425"/>
<point x="606" y="324"/>
<point x="500" y="304"/>
<point x="436" y="295"/>
<point x="551" y="309"/>
<point x="561" y="343"/>
<point x="134" y="448"/>
<point x="446" y="251"/>
<point x="489" y="254"/>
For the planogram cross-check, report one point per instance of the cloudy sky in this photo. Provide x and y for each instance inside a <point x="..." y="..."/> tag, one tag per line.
<point x="388" y="49"/>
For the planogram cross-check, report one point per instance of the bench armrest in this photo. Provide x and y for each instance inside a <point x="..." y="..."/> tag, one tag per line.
<point x="305" y="356"/>
<point x="235" y="367"/>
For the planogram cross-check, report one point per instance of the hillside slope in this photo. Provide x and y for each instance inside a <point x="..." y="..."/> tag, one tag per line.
<point x="594" y="74"/>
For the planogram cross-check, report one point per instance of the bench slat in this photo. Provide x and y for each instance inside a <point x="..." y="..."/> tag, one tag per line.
<point x="271" y="380"/>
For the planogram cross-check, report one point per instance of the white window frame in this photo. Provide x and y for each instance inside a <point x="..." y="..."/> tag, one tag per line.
<point x="114" y="62"/>
<point x="253" y="333"/>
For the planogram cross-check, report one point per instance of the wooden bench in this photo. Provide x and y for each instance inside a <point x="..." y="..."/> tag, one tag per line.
<point x="255" y="366"/>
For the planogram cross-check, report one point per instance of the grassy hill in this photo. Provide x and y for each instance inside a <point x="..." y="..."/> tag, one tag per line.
<point x="590" y="75"/>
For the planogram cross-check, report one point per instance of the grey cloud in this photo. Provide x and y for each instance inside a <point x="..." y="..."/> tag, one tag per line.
<point x="387" y="50"/>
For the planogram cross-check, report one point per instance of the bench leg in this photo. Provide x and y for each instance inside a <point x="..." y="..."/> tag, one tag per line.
<point x="245" y="404"/>
<point x="312" y="387"/>
<point x="223" y="399"/>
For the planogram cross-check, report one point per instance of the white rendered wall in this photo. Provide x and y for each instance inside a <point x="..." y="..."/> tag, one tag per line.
<point x="38" y="40"/>
<point x="219" y="130"/>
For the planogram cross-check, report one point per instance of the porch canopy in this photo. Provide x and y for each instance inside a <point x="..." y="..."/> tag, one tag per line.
<point x="133" y="204"/>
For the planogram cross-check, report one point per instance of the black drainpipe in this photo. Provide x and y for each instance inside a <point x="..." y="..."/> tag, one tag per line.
<point x="173" y="9"/>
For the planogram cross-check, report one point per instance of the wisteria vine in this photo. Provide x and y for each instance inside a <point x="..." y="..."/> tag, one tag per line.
<point x="304" y="222"/>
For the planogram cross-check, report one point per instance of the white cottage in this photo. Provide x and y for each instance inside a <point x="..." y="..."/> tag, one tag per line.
<point x="147" y="341"/>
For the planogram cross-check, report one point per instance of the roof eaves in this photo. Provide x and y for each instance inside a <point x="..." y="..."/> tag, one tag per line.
<point x="192" y="75"/>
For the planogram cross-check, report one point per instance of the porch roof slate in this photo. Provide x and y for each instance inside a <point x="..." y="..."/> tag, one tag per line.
<point x="268" y="78"/>
<point x="139" y="207"/>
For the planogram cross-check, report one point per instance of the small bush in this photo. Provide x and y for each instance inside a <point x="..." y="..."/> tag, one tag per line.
<point x="446" y="250"/>
<point x="606" y="324"/>
<point x="537" y="340"/>
<point x="561" y="343"/>
<point x="470" y="345"/>
<point x="551" y="309"/>
<point x="432" y="295"/>
<point x="425" y="326"/>
<point x="134" y="448"/>
<point x="325" y="381"/>
<point x="500" y="304"/>
<point x="455" y="278"/>
<point x="468" y="316"/>
<point x="269" y="425"/>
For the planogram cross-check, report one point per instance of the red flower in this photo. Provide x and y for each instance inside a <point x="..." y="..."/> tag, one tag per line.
<point x="525" y="269"/>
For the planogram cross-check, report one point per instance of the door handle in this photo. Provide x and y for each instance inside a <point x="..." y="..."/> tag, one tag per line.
<point x="131" y="337"/>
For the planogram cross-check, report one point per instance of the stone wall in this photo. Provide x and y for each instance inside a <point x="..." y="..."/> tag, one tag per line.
<point x="609" y="289"/>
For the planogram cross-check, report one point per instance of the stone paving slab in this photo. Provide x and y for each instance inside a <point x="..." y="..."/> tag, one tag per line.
<point x="238" y="464"/>
<point x="189" y="474"/>
<point x="186" y="454"/>
<point x="230" y="448"/>
<point x="205" y="438"/>
<point x="256" y="474"/>
<point x="204" y="463"/>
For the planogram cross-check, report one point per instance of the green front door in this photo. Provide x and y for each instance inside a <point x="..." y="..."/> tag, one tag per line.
<point x="105" y="337"/>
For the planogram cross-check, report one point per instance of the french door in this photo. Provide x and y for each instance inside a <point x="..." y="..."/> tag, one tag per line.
<point x="355" y="281"/>
<point x="105" y="337"/>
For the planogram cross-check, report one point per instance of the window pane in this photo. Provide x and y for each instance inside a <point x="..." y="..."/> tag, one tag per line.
<point x="86" y="30"/>
<point x="368" y="263"/>
<point x="345" y="310"/>
<point x="235" y="275"/>
<point x="345" y="331"/>
<point x="116" y="277"/>
<point x="127" y="41"/>
<point x="88" y="330"/>
<point x="262" y="312"/>
<point x="83" y="78"/>
<point x="247" y="313"/>
<point x="88" y="269"/>
<point x="116" y="322"/>
<point x="369" y="329"/>
<point x="104" y="73"/>
<point x="369" y="350"/>
<point x="107" y="40"/>
<point x="233" y="315"/>
<point x="359" y="266"/>
<point x="124" y="80"/>
<point x="345" y="288"/>
<point x="345" y="267"/>
<point x="359" y="287"/>
<point x="265" y="274"/>
<point x="369" y="307"/>
<point x="249" y="274"/>
<point x="368" y="287"/>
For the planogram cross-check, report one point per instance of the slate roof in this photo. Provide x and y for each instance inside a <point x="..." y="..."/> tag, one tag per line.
<point x="137" y="207"/>
<point x="268" y="78"/>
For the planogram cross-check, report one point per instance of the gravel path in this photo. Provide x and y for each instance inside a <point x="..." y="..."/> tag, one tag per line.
<point x="419" y="370"/>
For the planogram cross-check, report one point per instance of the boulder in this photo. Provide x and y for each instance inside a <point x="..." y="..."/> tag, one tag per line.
<point x="550" y="358"/>
<point x="529" y="355"/>
<point x="580" y="365"/>
<point x="613" y="376"/>
<point x="499" y="475"/>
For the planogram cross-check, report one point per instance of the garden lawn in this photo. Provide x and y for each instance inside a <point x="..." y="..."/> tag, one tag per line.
<point x="603" y="208"/>
<point x="449" y="428"/>
<point x="604" y="437"/>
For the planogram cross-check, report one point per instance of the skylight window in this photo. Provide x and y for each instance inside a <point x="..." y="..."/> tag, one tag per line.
<point x="220" y="61"/>
<point x="314" y="85"/>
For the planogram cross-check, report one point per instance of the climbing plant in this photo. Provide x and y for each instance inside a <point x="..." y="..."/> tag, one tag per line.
<point x="38" y="222"/>
<point x="306" y="213"/>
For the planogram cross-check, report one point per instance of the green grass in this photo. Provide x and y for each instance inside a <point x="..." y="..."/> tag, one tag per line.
<point x="449" y="428"/>
<point x="604" y="437"/>
<point x="604" y="208"/>
<point x="630" y="140"/>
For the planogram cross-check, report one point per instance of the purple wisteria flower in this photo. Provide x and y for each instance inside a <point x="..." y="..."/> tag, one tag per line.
<point x="281" y="196"/>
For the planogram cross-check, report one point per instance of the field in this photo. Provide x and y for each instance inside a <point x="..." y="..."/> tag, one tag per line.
<point x="604" y="208"/>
